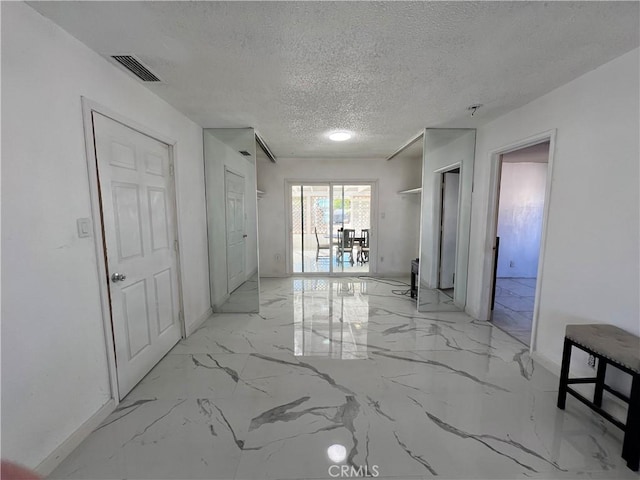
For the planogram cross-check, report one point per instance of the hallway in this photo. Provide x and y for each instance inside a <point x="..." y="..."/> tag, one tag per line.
<point x="347" y="363"/>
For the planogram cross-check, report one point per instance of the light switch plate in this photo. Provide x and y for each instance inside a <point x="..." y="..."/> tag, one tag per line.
<point x="84" y="227"/>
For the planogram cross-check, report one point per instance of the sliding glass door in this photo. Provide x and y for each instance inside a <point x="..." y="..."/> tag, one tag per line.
<point x="330" y="227"/>
<point x="311" y="227"/>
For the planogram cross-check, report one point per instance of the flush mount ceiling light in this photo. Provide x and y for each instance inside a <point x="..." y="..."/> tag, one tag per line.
<point x="339" y="136"/>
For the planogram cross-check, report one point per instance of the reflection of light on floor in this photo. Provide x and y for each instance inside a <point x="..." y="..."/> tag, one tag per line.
<point x="322" y="264"/>
<point x="331" y="318"/>
<point x="337" y="453"/>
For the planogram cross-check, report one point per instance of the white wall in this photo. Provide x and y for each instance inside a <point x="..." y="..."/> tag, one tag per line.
<point x="219" y="154"/>
<point x="522" y="189"/>
<point x="54" y="370"/>
<point x="398" y="216"/>
<point x="590" y="270"/>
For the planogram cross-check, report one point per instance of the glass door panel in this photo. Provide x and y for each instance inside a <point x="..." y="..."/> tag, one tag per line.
<point x="352" y="227"/>
<point x="310" y="228"/>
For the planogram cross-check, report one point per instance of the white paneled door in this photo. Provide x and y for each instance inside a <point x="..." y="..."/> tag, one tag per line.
<point x="234" y="192"/>
<point x="136" y="189"/>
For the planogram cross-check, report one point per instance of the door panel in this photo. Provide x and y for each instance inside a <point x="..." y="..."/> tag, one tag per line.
<point x="136" y="317"/>
<point x="234" y="191"/>
<point x="122" y="155"/>
<point x="164" y="294"/>
<point x="126" y="204"/>
<point x="158" y="214"/>
<point x="154" y="164"/>
<point x="138" y="215"/>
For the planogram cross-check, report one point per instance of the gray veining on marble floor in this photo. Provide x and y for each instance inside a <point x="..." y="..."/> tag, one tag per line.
<point x="513" y="308"/>
<point x="346" y="362"/>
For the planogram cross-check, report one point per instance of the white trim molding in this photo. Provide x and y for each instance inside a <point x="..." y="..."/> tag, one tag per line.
<point x="495" y="159"/>
<point x="56" y="457"/>
<point x="88" y="107"/>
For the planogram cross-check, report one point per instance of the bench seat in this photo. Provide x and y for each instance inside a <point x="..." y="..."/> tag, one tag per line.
<point x="611" y="346"/>
<point x="608" y="341"/>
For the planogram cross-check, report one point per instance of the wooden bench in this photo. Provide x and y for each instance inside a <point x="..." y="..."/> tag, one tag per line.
<point x="610" y="345"/>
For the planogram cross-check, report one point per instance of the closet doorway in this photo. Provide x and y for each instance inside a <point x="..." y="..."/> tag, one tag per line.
<point x="449" y="209"/>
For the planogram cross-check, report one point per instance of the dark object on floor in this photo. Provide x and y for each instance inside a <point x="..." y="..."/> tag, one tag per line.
<point x="610" y="345"/>
<point x="495" y="272"/>
<point x="415" y="268"/>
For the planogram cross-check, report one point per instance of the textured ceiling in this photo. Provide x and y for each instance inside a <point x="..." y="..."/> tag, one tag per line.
<point x="296" y="70"/>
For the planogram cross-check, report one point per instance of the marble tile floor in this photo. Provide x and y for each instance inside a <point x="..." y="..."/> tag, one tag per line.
<point x="447" y="291"/>
<point x="344" y="367"/>
<point x="324" y="261"/>
<point x="513" y="310"/>
<point x="245" y="298"/>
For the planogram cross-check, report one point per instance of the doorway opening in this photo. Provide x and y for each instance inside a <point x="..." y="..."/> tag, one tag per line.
<point x="522" y="191"/>
<point x="449" y="207"/>
<point x="330" y="227"/>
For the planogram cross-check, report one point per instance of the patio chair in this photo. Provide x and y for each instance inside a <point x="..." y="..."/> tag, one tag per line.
<point x="363" y="253"/>
<point x="346" y="245"/>
<point x="321" y="246"/>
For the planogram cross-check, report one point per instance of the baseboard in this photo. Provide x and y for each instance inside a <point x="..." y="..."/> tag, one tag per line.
<point x="216" y="306"/>
<point x="56" y="457"/>
<point x="189" y="329"/>
<point x="553" y="367"/>
<point x="473" y="313"/>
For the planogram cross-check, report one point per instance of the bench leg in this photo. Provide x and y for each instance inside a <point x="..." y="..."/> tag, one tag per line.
<point x="564" y="374"/>
<point x="631" y="445"/>
<point x="602" y="368"/>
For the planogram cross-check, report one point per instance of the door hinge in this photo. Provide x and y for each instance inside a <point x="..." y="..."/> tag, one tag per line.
<point x="181" y="316"/>
<point x="176" y="247"/>
<point x="171" y="169"/>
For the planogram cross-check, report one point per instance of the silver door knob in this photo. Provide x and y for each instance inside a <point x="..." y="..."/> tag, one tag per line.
<point x="118" y="277"/>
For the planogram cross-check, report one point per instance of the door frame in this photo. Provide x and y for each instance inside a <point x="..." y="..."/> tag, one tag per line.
<point x="88" y="107"/>
<point x="373" y="240"/>
<point x="495" y="159"/>
<point x="226" y="222"/>
<point x="438" y="219"/>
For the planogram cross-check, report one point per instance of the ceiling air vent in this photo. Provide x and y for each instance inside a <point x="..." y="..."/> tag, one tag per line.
<point x="135" y="67"/>
<point x="245" y="153"/>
